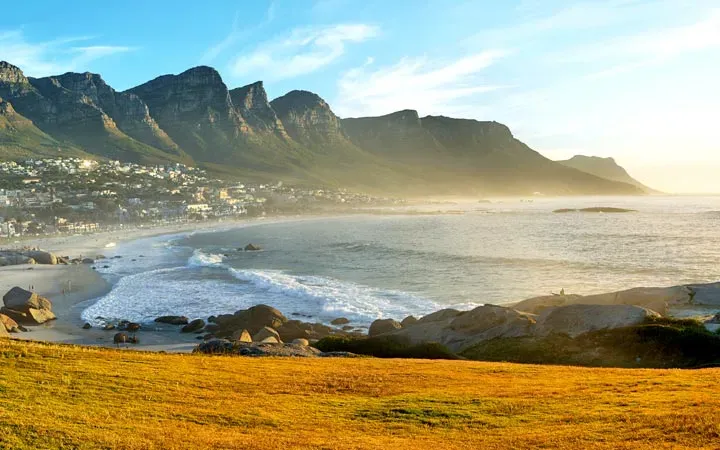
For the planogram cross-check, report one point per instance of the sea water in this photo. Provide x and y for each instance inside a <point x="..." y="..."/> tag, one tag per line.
<point x="459" y="255"/>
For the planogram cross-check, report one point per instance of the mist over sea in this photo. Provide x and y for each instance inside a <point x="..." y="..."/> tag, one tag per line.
<point x="369" y="266"/>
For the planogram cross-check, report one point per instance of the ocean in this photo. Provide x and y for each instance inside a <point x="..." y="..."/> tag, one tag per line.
<point x="460" y="255"/>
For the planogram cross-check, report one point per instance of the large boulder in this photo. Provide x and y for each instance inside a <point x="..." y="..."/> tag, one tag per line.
<point x="20" y="299"/>
<point x="242" y="336"/>
<point x="264" y="333"/>
<point x="340" y="321"/>
<point x="656" y="299"/>
<point x="13" y="259"/>
<point x="441" y="315"/>
<point x="9" y="324"/>
<point x="195" y="325"/>
<point x="252" y="319"/>
<point x="382" y="326"/>
<point x="42" y="257"/>
<point x="296" y="329"/>
<point x="575" y="320"/>
<point x="408" y="321"/>
<point x="459" y="330"/>
<point x="173" y="320"/>
<point x="30" y="316"/>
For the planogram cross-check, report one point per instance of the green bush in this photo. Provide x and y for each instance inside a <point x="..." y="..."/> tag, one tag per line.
<point x="385" y="347"/>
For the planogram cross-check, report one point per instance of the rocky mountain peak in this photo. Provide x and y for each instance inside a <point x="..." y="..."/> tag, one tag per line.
<point x="11" y="74"/>
<point x="252" y="103"/>
<point x="308" y="118"/>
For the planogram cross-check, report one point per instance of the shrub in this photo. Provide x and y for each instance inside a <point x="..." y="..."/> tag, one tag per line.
<point x="385" y="347"/>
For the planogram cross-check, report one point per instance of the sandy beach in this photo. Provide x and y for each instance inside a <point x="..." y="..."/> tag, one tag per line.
<point x="72" y="288"/>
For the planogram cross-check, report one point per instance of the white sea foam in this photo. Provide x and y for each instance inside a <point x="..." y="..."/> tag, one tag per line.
<point x="142" y="297"/>
<point x="202" y="259"/>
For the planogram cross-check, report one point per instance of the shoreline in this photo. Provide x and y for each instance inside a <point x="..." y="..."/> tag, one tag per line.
<point x="72" y="288"/>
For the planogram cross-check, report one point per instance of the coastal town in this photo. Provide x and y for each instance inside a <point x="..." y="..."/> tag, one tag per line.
<point x="73" y="195"/>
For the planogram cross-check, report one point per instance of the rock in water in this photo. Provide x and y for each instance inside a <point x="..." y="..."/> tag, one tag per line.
<point x="86" y="326"/>
<point x="195" y="325"/>
<point x="252" y="248"/>
<point x="382" y="326"/>
<point x="173" y="320"/>
<point x="121" y="338"/>
<point x="340" y="321"/>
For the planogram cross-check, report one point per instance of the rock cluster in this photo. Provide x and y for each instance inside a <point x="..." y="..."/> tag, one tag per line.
<point x="459" y="330"/>
<point x="25" y="308"/>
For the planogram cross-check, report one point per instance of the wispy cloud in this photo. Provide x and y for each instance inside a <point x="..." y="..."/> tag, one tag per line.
<point x="52" y="57"/>
<point x="237" y="34"/>
<point x="651" y="47"/>
<point x="431" y="87"/>
<point x="303" y="51"/>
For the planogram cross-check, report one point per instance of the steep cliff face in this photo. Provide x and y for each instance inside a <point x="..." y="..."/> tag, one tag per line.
<point x="70" y="108"/>
<point x="252" y="104"/>
<point x="399" y="136"/>
<point x="309" y="120"/>
<point x="196" y="111"/>
<point x="129" y="113"/>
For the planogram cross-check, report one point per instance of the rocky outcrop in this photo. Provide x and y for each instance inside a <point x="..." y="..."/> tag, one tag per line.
<point x="26" y="307"/>
<point x="252" y="319"/>
<point x="264" y="333"/>
<point x="655" y="299"/>
<point x="172" y="320"/>
<point x="575" y="320"/>
<point x="459" y="330"/>
<point x="14" y="258"/>
<point x="72" y="106"/>
<point x="308" y="119"/>
<point x="128" y="111"/>
<point x="252" y="103"/>
<point x="8" y="324"/>
<point x="42" y="257"/>
<point x="223" y="346"/>
<point x="196" y="111"/>
<point x="382" y="326"/>
<point x="193" y="326"/>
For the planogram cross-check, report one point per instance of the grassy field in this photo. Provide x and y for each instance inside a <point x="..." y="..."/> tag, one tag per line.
<point x="60" y="396"/>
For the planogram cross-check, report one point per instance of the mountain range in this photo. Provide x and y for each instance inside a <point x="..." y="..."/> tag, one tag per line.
<point x="194" y="118"/>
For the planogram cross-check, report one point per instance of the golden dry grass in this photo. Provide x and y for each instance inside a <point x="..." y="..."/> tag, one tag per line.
<point x="61" y="396"/>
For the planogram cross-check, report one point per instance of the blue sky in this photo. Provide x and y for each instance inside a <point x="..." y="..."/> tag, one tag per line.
<point x="634" y="79"/>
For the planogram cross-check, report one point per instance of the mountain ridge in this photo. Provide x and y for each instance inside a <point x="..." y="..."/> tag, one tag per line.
<point x="195" y="118"/>
<point x="606" y="168"/>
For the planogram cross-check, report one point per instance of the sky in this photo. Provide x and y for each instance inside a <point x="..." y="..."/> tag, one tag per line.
<point x="638" y="80"/>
